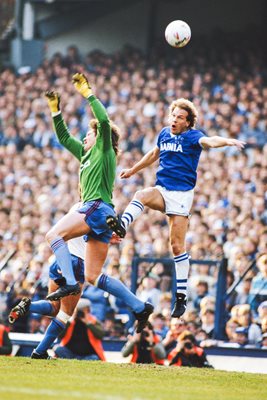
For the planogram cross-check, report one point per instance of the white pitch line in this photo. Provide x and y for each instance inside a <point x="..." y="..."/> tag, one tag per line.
<point x="57" y="393"/>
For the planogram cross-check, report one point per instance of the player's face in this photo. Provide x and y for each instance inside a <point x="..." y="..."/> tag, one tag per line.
<point x="89" y="140"/>
<point x="178" y="121"/>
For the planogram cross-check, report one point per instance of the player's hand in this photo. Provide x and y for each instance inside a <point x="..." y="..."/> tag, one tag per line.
<point x="126" y="173"/>
<point x="238" y="143"/>
<point x="53" y="100"/>
<point x="82" y="85"/>
<point x="115" y="239"/>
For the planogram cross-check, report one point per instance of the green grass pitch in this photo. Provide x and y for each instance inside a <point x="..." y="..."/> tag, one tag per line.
<point x="25" y="379"/>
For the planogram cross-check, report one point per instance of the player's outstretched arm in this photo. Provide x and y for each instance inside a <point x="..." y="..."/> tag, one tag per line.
<point x="148" y="159"/>
<point x="217" y="141"/>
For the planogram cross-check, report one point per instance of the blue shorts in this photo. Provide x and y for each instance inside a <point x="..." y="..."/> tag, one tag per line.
<point x="78" y="268"/>
<point x="96" y="212"/>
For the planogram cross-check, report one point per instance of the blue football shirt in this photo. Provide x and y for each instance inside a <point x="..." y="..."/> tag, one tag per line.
<point x="178" y="159"/>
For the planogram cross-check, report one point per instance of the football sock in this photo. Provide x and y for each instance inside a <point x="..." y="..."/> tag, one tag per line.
<point x="63" y="258"/>
<point x="182" y="271"/>
<point x="52" y="332"/>
<point x="118" y="289"/>
<point x="42" y="307"/>
<point x="132" y="211"/>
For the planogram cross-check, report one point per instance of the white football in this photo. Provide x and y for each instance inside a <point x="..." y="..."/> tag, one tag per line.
<point x="178" y="33"/>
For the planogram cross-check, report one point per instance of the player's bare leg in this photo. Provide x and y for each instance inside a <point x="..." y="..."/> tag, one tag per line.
<point x="150" y="197"/>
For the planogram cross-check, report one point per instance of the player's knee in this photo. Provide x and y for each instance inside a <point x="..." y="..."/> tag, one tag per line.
<point x="177" y="248"/>
<point x="91" y="278"/>
<point x="63" y="317"/>
<point x="50" y="236"/>
<point x="143" y="196"/>
<point x="53" y="234"/>
<point x="56" y="307"/>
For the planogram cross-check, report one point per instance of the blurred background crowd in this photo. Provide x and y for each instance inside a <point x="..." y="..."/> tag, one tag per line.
<point x="39" y="184"/>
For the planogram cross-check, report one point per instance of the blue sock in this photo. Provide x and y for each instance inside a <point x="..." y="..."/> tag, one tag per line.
<point x="118" y="289"/>
<point x="52" y="332"/>
<point x="63" y="257"/>
<point x="42" y="307"/>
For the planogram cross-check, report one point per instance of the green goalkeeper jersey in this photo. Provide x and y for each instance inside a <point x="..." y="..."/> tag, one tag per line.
<point x="97" y="165"/>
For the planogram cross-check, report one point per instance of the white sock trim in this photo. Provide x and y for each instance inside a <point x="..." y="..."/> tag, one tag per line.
<point x="63" y="317"/>
<point x="132" y="212"/>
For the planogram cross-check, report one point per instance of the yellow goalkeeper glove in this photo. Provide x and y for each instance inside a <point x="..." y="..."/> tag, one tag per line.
<point x="82" y="85"/>
<point x="53" y="100"/>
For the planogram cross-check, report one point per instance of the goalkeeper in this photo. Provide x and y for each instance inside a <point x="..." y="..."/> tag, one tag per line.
<point x="97" y="157"/>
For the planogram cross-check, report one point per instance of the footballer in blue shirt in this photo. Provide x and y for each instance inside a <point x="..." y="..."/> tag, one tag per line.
<point x="178" y="150"/>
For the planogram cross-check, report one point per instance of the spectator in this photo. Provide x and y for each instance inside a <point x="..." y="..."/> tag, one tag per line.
<point x="263" y="342"/>
<point x="241" y="338"/>
<point x="82" y="336"/>
<point x="200" y="292"/>
<point x="243" y="295"/>
<point x="160" y="325"/>
<point x="264" y="325"/>
<point x="244" y="318"/>
<point x="258" y="291"/>
<point x="5" y="342"/>
<point x="145" y="347"/>
<point x="207" y="302"/>
<point x="207" y="316"/>
<point x="262" y="309"/>
<point x="187" y="353"/>
<point x="230" y="329"/>
<point x="150" y="293"/>
<point x="171" y="338"/>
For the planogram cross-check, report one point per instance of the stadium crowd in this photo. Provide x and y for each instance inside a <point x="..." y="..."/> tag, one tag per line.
<point x="39" y="184"/>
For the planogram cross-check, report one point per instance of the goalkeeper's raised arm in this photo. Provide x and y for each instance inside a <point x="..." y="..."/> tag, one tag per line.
<point x="69" y="142"/>
<point x="102" y="125"/>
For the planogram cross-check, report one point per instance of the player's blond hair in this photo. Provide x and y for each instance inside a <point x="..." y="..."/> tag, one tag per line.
<point x="189" y="107"/>
<point x="115" y="133"/>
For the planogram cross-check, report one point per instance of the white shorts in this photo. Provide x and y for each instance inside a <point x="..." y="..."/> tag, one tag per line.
<point x="177" y="202"/>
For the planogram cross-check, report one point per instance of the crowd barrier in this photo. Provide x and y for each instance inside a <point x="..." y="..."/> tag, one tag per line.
<point x="223" y="358"/>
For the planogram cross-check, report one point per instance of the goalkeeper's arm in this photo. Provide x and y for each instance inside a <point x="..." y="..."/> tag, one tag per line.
<point x="82" y="85"/>
<point x="61" y="130"/>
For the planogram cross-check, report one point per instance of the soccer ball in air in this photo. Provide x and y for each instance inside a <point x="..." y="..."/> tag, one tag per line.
<point x="178" y="33"/>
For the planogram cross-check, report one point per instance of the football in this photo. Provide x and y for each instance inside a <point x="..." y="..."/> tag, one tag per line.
<point x="178" y="33"/>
